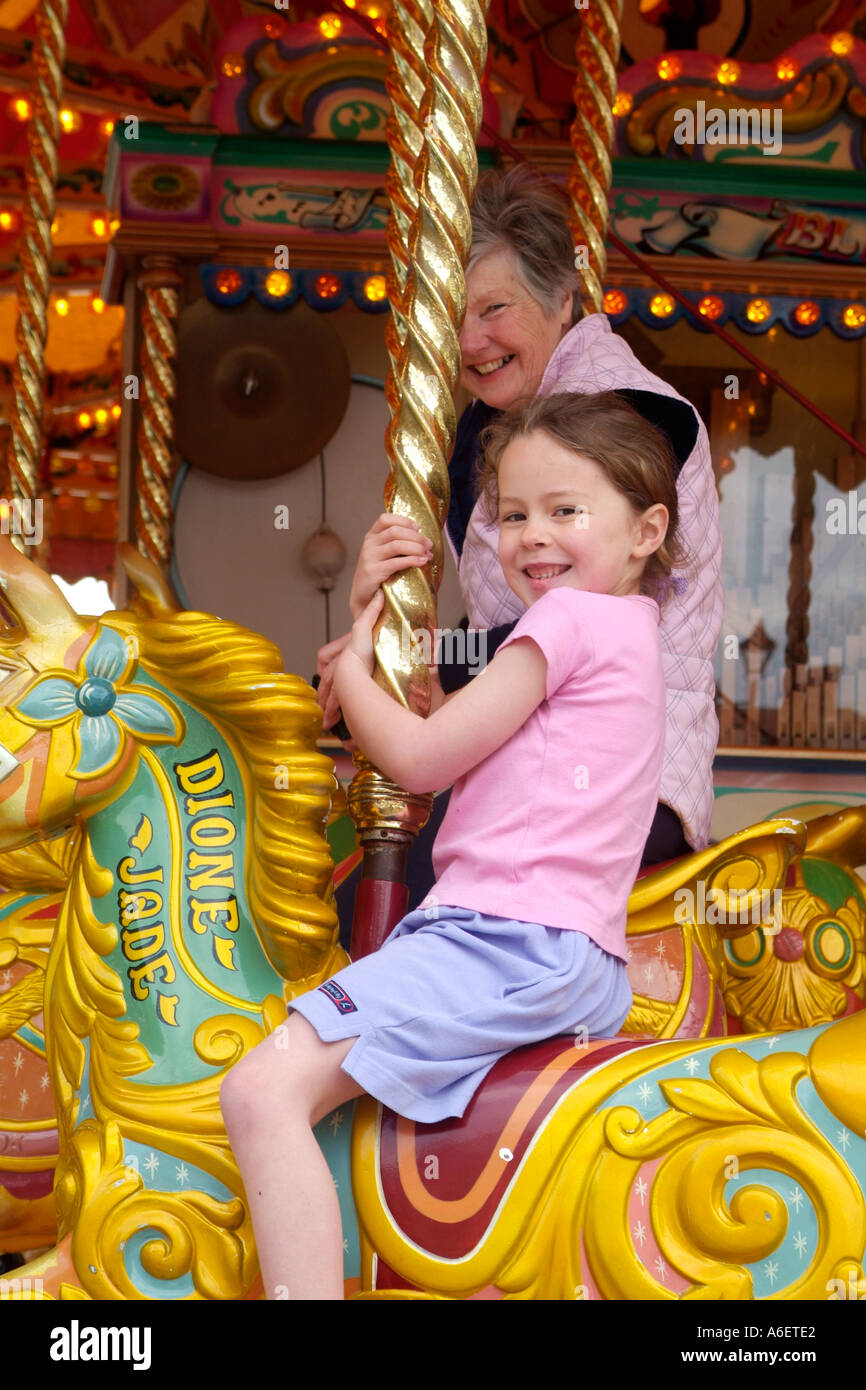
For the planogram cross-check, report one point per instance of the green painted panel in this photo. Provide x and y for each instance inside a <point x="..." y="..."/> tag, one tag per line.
<point x="726" y="180"/>
<point x="268" y="151"/>
<point x="830" y="882"/>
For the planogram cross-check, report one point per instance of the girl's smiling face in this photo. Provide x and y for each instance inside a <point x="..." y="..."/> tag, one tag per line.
<point x="562" y="524"/>
<point x="507" y="338"/>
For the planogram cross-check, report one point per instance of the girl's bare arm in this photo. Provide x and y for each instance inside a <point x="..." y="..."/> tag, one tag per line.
<point x="423" y="754"/>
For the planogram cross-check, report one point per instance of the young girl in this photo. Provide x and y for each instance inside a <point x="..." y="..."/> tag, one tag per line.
<point x="556" y="753"/>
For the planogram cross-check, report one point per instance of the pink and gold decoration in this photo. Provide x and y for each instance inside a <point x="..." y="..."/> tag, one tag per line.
<point x="592" y="137"/>
<point x="33" y="282"/>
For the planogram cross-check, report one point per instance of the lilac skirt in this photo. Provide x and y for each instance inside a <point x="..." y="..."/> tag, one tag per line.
<point x="450" y="992"/>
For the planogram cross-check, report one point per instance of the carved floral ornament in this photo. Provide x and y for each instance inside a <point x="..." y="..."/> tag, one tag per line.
<point x="103" y="707"/>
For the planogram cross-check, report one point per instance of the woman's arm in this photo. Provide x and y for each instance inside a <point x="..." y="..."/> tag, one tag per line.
<point x="423" y="754"/>
<point x="484" y="642"/>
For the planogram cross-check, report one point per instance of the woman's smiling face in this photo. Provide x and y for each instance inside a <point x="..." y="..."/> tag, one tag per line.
<point x="507" y="338"/>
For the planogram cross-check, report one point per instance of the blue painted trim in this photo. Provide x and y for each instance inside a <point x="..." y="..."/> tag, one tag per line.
<point x="31" y="1038"/>
<point x="782" y="312"/>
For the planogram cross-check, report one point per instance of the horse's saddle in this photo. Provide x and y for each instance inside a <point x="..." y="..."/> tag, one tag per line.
<point x="442" y="1184"/>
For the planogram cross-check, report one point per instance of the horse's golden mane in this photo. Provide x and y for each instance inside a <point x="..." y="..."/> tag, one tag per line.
<point x="43" y="866"/>
<point x="272" y="721"/>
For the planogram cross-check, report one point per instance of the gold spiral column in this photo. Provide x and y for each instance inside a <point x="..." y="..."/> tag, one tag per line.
<point x="160" y="280"/>
<point x="34" y="285"/>
<point x="592" y="136"/>
<point x="421" y="434"/>
<point x="408" y="26"/>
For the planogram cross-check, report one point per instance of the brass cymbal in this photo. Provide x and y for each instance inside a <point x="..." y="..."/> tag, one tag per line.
<point x="259" y="392"/>
<point x="558" y="31"/>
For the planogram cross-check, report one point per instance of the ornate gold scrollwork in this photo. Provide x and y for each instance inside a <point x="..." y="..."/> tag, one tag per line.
<point x="811" y="101"/>
<point x="748" y="1109"/>
<point x="188" y="1234"/>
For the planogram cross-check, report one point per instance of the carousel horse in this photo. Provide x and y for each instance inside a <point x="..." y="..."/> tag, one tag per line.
<point x="198" y="902"/>
<point x="167" y="769"/>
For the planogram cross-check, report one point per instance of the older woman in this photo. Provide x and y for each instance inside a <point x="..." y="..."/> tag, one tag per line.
<point x="521" y="336"/>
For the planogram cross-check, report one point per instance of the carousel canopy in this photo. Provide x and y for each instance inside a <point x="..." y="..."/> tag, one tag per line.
<point x="170" y="63"/>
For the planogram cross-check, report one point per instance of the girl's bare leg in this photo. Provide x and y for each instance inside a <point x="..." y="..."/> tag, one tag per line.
<point x="270" y="1101"/>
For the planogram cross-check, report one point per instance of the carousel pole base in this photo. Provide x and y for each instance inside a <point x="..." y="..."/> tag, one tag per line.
<point x="382" y="895"/>
<point x="387" y="819"/>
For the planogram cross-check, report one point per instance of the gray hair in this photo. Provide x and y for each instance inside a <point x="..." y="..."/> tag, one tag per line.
<point x="520" y="211"/>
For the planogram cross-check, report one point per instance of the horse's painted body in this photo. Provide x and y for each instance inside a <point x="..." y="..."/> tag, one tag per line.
<point x="180" y="765"/>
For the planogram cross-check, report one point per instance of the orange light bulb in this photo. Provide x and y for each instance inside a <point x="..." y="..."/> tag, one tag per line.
<point x="327" y="286"/>
<point x="662" y="305"/>
<point x="758" y="310"/>
<point x="375" y="288"/>
<point x="842" y="44"/>
<point x="854" y="315"/>
<point x="278" y="283"/>
<point x="669" y="68"/>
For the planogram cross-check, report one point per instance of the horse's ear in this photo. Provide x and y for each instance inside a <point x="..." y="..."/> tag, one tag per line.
<point x="841" y="835"/>
<point x="155" y="593"/>
<point x="32" y="598"/>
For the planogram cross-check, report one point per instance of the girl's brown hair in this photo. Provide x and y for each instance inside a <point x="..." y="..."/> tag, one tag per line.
<point x="634" y="455"/>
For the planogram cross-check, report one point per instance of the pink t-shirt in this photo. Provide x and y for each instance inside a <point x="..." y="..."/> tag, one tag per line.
<point x="551" y="827"/>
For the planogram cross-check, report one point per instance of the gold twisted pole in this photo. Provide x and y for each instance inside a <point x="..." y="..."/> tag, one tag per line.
<point x="408" y="26"/>
<point x="34" y="285"/>
<point x="160" y="280"/>
<point x="592" y="135"/>
<point x="421" y="433"/>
